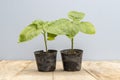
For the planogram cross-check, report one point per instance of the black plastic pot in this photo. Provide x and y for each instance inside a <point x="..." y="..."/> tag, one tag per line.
<point x="46" y="62"/>
<point x="72" y="61"/>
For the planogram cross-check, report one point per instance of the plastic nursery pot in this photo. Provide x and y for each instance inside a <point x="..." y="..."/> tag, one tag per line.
<point x="46" y="62"/>
<point x="71" y="61"/>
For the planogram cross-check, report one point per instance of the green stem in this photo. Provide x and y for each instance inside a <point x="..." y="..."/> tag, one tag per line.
<point x="45" y="41"/>
<point x="72" y="45"/>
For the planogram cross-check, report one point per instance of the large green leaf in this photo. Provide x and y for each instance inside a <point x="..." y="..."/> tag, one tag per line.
<point x="31" y="31"/>
<point x="62" y="27"/>
<point x="87" y="28"/>
<point x="57" y="27"/>
<point x="76" y="16"/>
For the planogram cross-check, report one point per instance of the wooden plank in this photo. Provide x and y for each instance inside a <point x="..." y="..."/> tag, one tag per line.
<point x="9" y="68"/>
<point x="103" y="70"/>
<point x="91" y="70"/>
<point x="59" y="74"/>
<point x="31" y="73"/>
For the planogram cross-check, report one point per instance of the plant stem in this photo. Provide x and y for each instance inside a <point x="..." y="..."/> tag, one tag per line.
<point x="45" y="41"/>
<point x="72" y="45"/>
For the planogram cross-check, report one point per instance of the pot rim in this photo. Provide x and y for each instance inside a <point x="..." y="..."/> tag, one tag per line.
<point x="62" y="51"/>
<point x="42" y="51"/>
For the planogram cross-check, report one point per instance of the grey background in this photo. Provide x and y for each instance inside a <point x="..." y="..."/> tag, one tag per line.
<point x="16" y="14"/>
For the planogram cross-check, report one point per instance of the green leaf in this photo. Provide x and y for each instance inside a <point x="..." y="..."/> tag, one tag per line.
<point x="57" y="27"/>
<point x="87" y="28"/>
<point x="62" y="27"/>
<point x="76" y="16"/>
<point x="31" y="31"/>
<point x="51" y="36"/>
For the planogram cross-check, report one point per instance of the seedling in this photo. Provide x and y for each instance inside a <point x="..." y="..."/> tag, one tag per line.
<point x="34" y="29"/>
<point x="71" y="26"/>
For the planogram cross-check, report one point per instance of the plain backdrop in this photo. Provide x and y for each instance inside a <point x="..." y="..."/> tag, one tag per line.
<point x="104" y="14"/>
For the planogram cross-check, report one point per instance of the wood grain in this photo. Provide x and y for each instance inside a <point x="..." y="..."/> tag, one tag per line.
<point x="103" y="70"/>
<point x="59" y="74"/>
<point x="91" y="70"/>
<point x="31" y="73"/>
<point x="9" y="68"/>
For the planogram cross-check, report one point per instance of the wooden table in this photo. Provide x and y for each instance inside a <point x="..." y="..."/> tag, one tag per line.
<point x="91" y="70"/>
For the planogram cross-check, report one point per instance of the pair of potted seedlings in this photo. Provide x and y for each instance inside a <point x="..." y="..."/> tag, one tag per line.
<point x="71" y="58"/>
